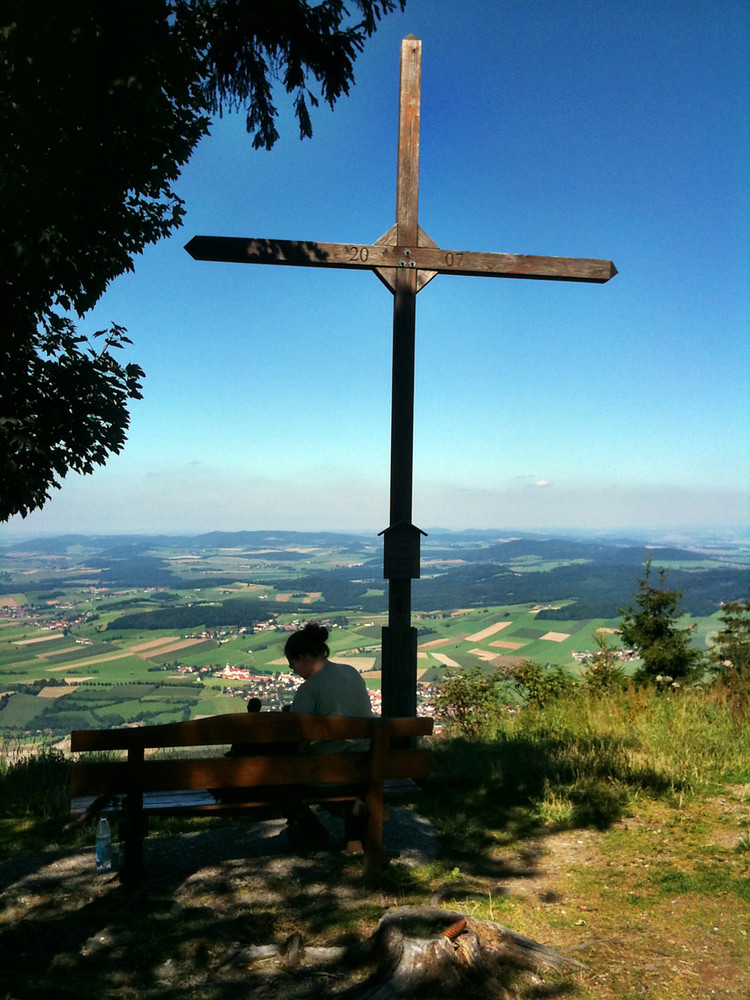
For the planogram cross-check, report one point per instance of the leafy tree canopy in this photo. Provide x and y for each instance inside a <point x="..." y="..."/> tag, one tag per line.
<point x="102" y="104"/>
<point x="650" y="628"/>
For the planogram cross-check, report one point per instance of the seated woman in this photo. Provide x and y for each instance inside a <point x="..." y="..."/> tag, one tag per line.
<point x="329" y="689"/>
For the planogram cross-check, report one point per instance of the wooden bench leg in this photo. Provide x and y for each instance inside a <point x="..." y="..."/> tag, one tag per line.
<point x="135" y="820"/>
<point x="374" y="833"/>
<point x="355" y="826"/>
<point x="136" y="827"/>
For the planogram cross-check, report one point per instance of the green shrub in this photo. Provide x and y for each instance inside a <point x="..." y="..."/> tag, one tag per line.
<point x="539" y="685"/>
<point x="471" y="703"/>
<point x="650" y="627"/>
<point x="730" y="649"/>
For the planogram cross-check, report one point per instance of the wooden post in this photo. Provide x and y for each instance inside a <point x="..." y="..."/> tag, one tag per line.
<point x="399" y="639"/>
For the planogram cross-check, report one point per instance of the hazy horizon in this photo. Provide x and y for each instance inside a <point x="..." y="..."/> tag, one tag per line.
<point x="736" y="534"/>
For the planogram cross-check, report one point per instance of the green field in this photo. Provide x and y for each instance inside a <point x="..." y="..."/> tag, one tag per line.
<point x="131" y="688"/>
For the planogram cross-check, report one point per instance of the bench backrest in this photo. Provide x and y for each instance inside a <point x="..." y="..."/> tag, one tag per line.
<point x="379" y="763"/>
<point x="244" y="727"/>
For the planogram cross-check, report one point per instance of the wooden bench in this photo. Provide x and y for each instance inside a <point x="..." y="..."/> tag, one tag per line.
<point x="148" y="783"/>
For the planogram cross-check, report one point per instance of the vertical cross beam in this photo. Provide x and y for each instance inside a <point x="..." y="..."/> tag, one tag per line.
<point x="399" y="641"/>
<point x="404" y="259"/>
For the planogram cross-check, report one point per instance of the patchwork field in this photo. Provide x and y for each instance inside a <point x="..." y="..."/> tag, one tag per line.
<point x="56" y="683"/>
<point x="104" y="632"/>
<point x="164" y="641"/>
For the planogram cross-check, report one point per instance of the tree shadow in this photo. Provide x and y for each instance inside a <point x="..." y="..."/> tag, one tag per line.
<point x="482" y="795"/>
<point x="207" y="895"/>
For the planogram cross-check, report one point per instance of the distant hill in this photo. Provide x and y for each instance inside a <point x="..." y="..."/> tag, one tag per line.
<point x="459" y="569"/>
<point x="129" y="545"/>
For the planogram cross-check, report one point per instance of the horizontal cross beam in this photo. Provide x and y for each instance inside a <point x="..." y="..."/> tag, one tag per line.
<point x="301" y="253"/>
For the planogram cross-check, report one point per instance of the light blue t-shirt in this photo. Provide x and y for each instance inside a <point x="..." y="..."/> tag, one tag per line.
<point x="337" y="689"/>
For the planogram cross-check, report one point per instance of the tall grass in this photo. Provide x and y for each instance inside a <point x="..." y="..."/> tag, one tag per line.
<point x="34" y="800"/>
<point x="688" y="741"/>
<point x="582" y="759"/>
<point x="34" y="784"/>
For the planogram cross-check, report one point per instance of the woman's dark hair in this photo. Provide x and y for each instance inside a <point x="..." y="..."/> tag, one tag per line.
<point x="309" y="641"/>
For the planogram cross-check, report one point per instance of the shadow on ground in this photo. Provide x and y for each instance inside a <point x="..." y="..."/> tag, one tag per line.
<point x="209" y="897"/>
<point x="483" y="795"/>
<point x="212" y="895"/>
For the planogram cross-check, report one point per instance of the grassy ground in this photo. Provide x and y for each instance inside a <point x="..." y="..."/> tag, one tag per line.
<point x="616" y="829"/>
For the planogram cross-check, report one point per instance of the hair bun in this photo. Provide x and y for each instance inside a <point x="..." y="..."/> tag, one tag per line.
<point x="310" y="640"/>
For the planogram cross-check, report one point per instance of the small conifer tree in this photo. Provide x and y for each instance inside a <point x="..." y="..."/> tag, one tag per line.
<point x="603" y="672"/>
<point x="650" y="628"/>
<point x="730" y="650"/>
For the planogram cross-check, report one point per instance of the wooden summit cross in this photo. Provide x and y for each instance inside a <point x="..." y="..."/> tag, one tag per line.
<point x="405" y="259"/>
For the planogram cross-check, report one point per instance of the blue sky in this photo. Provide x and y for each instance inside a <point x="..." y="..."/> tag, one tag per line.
<point x="554" y="127"/>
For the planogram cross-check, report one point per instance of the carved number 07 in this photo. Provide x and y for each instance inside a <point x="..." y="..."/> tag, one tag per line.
<point x="453" y="258"/>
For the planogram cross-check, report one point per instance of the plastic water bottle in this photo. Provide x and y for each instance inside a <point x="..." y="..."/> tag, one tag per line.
<point x="103" y="846"/>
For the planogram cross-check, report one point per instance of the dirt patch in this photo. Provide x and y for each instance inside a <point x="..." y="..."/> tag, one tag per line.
<point x="41" y="638"/>
<point x="487" y="632"/>
<point x="506" y="660"/>
<point x="445" y="660"/>
<point x="164" y="641"/>
<point x="181" y="644"/>
<point x="360" y="663"/>
<point x="734" y="809"/>
<point x="437" y="643"/>
<point x="56" y="692"/>
<point x="484" y="654"/>
<point x="89" y="662"/>
<point x="555" y="636"/>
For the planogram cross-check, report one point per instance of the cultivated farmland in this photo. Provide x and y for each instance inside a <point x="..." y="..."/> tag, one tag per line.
<point x="98" y="632"/>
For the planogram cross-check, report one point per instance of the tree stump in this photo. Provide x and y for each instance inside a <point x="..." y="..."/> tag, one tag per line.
<point x="424" y="950"/>
<point x="427" y="949"/>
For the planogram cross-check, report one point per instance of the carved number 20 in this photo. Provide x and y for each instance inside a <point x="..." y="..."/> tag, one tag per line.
<point x="358" y="253"/>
